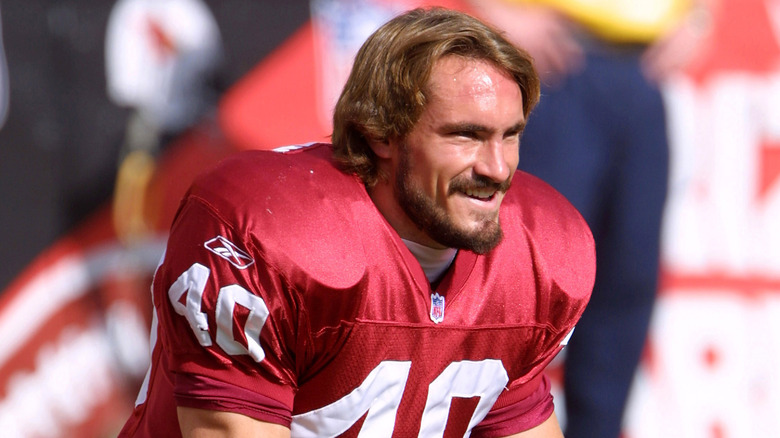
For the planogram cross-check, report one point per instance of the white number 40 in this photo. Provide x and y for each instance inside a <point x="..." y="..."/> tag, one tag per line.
<point x="186" y="294"/>
<point x="378" y="396"/>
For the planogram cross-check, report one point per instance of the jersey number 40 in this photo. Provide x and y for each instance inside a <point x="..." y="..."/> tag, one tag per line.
<point x="377" y="397"/>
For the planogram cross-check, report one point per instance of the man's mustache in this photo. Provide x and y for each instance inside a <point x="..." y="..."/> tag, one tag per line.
<point x="464" y="183"/>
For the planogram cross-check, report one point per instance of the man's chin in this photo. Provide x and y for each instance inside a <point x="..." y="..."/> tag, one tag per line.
<point x="481" y="239"/>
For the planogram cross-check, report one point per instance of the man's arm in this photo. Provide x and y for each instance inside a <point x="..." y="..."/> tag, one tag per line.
<point x="678" y="48"/>
<point x="540" y="30"/>
<point x="549" y="429"/>
<point x="201" y="423"/>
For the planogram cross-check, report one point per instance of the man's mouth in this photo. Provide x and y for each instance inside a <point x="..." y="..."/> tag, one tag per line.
<point x="481" y="194"/>
<point x="478" y="187"/>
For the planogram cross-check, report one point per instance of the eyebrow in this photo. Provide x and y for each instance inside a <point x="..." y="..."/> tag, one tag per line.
<point x="473" y="127"/>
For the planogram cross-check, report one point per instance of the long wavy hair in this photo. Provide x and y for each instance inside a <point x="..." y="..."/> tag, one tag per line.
<point x="386" y="91"/>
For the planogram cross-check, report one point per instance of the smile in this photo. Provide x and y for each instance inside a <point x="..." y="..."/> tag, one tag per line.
<point x="484" y="194"/>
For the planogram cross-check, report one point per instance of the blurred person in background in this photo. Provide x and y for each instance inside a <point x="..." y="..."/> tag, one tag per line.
<point x="599" y="136"/>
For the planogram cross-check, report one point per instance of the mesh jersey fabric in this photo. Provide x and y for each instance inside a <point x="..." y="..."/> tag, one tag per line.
<point x="284" y="295"/>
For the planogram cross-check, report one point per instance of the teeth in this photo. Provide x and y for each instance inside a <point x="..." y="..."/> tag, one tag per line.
<point x="482" y="194"/>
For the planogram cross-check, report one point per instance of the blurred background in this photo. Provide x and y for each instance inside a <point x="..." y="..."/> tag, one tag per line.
<point x="109" y="109"/>
<point x="62" y="137"/>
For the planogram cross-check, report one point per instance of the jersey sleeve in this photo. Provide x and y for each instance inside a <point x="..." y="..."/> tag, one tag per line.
<point x="528" y="407"/>
<point x="226" y="319"/>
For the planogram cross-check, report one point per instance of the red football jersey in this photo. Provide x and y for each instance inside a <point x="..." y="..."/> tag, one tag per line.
<point x="284" y="295"/>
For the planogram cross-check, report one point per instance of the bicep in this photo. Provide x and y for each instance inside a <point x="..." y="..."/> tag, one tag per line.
<point x="548" y="429"/>
<point x="201" y="423"/>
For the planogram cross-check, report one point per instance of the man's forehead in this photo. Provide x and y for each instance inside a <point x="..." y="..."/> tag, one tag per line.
<point x="461" y="89"/>
<point x="455" y="73"/>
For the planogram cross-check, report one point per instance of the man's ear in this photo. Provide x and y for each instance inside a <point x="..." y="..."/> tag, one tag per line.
<point x="381" y="148"/>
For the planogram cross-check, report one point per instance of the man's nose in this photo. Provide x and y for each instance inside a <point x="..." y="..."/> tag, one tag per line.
<point x="493" y="162"/>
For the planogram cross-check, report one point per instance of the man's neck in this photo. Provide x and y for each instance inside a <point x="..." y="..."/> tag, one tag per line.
<point x="434" y="261"/>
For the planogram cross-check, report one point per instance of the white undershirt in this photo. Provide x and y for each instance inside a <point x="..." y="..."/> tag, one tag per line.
<point x="433" y="261"/>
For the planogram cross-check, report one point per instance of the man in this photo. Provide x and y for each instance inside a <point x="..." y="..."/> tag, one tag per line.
<point x="395" y="284"/>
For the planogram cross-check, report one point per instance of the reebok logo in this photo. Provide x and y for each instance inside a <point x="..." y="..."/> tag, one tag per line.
<point x="230" y="252"/>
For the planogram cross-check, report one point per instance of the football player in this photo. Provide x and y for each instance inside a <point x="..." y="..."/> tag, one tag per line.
<point x="404" y="281"/>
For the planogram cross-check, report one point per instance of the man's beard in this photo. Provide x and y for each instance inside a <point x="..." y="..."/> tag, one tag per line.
<point x="435" y="222"/>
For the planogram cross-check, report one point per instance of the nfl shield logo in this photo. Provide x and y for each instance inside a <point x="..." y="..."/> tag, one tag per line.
<point x="437" y="308"/>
